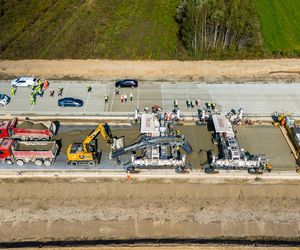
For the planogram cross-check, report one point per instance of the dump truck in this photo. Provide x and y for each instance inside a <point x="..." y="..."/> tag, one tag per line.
<point x="21" y="152"/>
<point x="27" y="130"/>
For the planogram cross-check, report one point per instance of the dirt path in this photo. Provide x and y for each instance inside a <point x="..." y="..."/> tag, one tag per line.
<point x="210" y="71"/>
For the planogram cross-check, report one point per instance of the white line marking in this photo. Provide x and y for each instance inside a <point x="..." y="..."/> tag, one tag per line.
<point x="112" y="100"/>
<point x="86" y="102"/>
<point x="162" y="96"/>
<point x="138" y="98"/>
<point x="289" y="99"/>
<point x="237" y="96"/>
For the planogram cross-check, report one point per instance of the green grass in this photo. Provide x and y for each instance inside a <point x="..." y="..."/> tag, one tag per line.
<point x="125" y="29"/>
<point x="280" y="24"/>
<point x="116" y="29"/>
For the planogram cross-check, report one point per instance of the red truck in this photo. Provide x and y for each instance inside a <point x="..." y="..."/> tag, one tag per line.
<point x="27" y="130"/>
<point x="20" y="152"/>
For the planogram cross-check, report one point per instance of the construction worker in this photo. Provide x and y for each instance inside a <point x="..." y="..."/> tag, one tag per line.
<point x="13" y="90"/>
<point x="213" y="105"/>
<point x="32" y="98"/>
<point x="106" y="98"/>
<point x="178" y="152"/>
<point x="125" y="97"/>
<point x="131" y="96"/>
<point x="189" y="103"/>
<point x="192" y="104"/>
<point x="51" y="93"/>
<point x="269" y="167"/>
<point x="177" y="133"/>
<point x="175" y="104"/>
<point x="198" y="102"/>
<point x="39" y="90"/>
<point x="89" y="88"/>
<point x="60" y="91"/>
<point x="45" y="85"/>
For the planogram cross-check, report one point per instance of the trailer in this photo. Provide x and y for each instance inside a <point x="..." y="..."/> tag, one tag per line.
<point x="21" y="152"/>
<point x="27" y="130"/>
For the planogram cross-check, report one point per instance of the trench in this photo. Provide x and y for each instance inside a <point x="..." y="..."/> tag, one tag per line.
<point x="153" y="243"/>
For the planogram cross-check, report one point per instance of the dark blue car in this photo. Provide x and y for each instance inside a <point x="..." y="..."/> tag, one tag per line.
<point x="70" y="102"/>
<point x="127" y="83"/>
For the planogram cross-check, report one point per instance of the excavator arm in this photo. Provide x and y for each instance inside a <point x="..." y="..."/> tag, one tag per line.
<point x="103" y="129"/>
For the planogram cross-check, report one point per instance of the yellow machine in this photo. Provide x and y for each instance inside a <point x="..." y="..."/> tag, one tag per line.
<point x="87" y="152"/>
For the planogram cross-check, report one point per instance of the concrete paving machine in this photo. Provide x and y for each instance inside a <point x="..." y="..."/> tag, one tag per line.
<point x="231" y="156"/>
<point x="158" y="146"/>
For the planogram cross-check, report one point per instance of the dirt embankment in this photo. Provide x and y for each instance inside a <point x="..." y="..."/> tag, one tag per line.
<point x="57" y="208"/>
<point x="210" y="71"/>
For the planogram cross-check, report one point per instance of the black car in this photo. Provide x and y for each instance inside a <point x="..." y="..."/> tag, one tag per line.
<point x="70" y="102"/>
<point x="127" y="83"/>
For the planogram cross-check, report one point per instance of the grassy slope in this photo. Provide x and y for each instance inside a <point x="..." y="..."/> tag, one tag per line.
<point x="280" y="24"/>
<point x="117" y="29"/>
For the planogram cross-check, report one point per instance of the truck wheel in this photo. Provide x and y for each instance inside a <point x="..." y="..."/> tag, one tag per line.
<point x="91" y="163"/>
<point x="38" y="162"/>
<point x="35" y="139"/>
<point x="44" y="139"/>
<point x="47" y="162"/>
<point x="9" y="162"/>
<point x="20" y="162"/>
<point x="74" y="163"/>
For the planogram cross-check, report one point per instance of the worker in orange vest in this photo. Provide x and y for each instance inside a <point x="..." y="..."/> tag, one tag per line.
<point x="45" y="85"/>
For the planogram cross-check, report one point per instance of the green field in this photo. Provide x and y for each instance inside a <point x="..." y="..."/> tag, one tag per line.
<point x="128" y="29"/>
<point x="280" y="24"/>
<point x="118" y="29"/>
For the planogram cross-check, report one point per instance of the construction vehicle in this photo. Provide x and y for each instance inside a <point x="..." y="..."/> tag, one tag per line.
<point x="279" y="118"/>
<point x="87" y="151"/>
<point x="158" y="146"/>
<point x="27" y="130"/>
<point x="20" y="152"/>
<point x="231" y="156"/>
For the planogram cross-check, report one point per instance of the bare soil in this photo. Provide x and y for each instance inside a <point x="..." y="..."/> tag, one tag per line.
<point x="73" y="208"/>
<point x="31" y="125"/>
<point x="210" y="71"/>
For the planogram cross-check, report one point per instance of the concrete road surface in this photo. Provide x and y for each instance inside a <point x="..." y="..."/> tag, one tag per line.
<point x="259" y="99"/>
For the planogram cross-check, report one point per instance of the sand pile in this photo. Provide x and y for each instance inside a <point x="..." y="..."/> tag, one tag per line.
<point x="31" y="125"/>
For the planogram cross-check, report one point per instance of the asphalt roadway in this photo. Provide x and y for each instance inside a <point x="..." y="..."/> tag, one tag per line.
<point x="257" y="99"/>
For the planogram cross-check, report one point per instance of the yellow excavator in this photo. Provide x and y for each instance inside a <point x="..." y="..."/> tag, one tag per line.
<point x="87" y="152"/>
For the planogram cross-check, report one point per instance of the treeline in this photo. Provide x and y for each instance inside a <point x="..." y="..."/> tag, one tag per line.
<point x="218" y="28"/>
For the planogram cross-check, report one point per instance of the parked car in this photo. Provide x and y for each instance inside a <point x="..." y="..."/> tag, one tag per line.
<point x="24" y="82"/>
<point x="70" y="102"/>
<point x="127" y="83"/>
<point x="4" y="99"/>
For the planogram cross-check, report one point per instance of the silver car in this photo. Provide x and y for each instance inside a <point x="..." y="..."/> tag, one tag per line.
<point x="4" y="99"/>
<point x="24" y="82"/>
